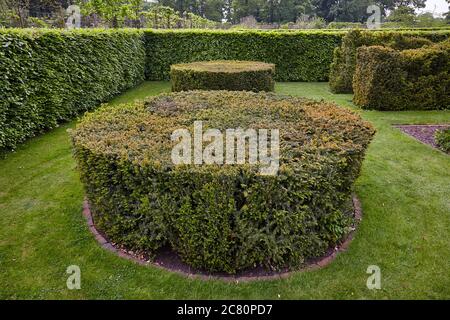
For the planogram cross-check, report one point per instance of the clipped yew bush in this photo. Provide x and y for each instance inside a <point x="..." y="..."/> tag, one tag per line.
<point x="343" y="66"/>
<point x="416" y="79"/>
<point x="222" y="217"/>
<point x="223" y="75"/>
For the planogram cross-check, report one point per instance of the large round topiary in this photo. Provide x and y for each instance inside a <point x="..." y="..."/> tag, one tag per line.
<point x="222" y="217"/>
<point x="223" y="75"/>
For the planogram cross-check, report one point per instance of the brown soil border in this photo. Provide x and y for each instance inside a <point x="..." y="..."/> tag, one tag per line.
<point x="169" y="261"/>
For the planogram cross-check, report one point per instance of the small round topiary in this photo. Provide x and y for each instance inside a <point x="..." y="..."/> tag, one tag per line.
<point x="221" y="216"/>
<point x="223" y="75"/>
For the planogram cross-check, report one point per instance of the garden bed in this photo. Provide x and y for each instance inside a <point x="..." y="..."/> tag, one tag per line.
<point x="423" y="133"/>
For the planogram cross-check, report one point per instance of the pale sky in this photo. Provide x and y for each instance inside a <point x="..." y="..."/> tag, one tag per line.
<point x="437" y="6"/>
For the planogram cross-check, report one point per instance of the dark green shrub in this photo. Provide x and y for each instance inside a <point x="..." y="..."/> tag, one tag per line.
<point x="416" y="79"/>
<point x="298" y="55"/>
<point x="346" y="25"/>
<point x="222" y="217"/>
<point x="49" y="76"/>
<point x="344" y="61"/>
<point x="442" y="138"/>
<point x="223" y="75"/>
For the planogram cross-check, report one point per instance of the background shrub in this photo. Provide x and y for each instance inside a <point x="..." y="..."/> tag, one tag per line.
<point x="416" y="79"/>
<point x="298" y="55"/>
<point x="223" y="75"/>
<point x="443" y="139"/>
<point x="346" y="25"/>
<point x="344" y="60"/>
<point x="50" y="76"/>
<point x="222" y="217"/>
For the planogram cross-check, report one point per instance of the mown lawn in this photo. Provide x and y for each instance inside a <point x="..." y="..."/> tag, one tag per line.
<point x="404" y="189"/>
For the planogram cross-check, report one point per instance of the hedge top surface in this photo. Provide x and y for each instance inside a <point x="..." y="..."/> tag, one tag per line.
<point x="141" y="132"/>
<point x="224" y="66"/>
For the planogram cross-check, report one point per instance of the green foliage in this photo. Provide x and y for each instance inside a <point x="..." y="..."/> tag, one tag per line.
<point x="406" y="17"/>
<point x="345" y="25"/>
<point x="298" y="55"/>
<point x="222" y="217"/>
<point x="344" y="61"/>
<point x="51" y="76"/>
<point x="416" y="79"/>
<point x="442" y="138"/>
<point x="223" y="75"/>
<point x="162" y="17"/>
<point x="47" y="77"/>
<point x="113" y="12"/>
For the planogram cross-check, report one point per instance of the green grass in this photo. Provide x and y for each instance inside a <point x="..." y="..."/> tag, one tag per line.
<point x="404" y="189"/>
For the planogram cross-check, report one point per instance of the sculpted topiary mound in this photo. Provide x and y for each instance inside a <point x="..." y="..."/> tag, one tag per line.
<point x="223" y="75"/>
<point x="222" y="217"/>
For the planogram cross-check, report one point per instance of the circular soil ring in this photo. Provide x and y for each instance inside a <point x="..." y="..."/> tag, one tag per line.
<point x="168" y="260"/>
<point x="223" y="75"/>
<point x="231" y="214"/>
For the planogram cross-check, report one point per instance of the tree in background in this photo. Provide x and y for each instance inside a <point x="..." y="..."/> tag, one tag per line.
<point x="356" y="10"/>
<point x="405" y="16"/>
<point x="269" y="13"/>
<point x="351" y="10"/>
<point x="113" y="12"/>
<point x="402" y="15"/>
<point x="16" y="12"/>
<point x="447" y="15"/>
<point x="31" y="13"/>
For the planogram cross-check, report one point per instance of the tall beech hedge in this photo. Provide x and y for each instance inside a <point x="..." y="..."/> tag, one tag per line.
<point x="415" y="79"/>
<point x="49" y="76"/>
<point x="298" y="56"/>
<point x="344" y="61"/>
<point x="222" y="217"/>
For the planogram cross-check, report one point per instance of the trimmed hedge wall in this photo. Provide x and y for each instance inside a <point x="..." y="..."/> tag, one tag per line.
<point x="344" y="61"/>
<point x="298" y="56"/>
<point x="223" y="75"/>
<point x="222" y="217"/>
<point x="416" y="79"/>
<point x="49" y="76"/>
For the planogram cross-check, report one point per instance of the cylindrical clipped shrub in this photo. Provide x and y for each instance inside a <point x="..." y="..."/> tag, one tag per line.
<point x="222" y="216"/>
<point x="343" y="67"/>
<point x="223" y="75"/>
<point x="416" y="79"/>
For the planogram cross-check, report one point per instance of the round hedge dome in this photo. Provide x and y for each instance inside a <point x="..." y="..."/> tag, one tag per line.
<point x="222" y="217"/>
<point x="223" y="75"/>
